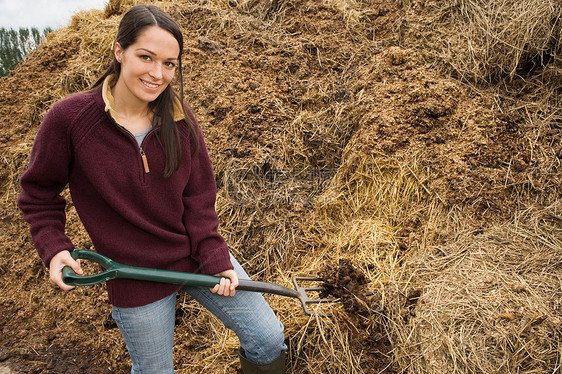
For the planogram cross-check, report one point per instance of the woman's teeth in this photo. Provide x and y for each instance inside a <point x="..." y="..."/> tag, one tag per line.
<point x="150" y="85"/>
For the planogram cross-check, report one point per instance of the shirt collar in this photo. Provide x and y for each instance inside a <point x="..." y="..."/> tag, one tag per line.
<point x="109" y="101"/>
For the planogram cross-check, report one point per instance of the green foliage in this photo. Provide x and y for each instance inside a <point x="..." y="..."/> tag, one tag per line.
<point x="16" y="44"/>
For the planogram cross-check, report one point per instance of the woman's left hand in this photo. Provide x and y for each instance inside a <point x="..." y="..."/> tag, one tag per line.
<point x="228" y="283"/>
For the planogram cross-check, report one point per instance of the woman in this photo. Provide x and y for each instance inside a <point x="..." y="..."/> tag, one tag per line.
<point x="141" y="181"/>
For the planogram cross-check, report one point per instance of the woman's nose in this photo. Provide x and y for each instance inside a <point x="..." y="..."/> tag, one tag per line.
<point x="156" y="70"/>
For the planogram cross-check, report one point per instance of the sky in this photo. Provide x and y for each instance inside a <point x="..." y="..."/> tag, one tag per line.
<point x="43" y="13"/>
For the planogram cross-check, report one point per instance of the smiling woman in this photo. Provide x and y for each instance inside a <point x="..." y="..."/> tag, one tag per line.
<point x="147" y="68"/>
<point x="141" y="180"/>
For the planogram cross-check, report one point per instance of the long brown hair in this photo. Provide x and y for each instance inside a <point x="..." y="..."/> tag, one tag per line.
<point x="132" y="24"/>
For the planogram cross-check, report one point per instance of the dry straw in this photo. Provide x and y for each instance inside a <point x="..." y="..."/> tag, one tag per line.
<point x="483" y="40"/>
<point x="491" y="302"/>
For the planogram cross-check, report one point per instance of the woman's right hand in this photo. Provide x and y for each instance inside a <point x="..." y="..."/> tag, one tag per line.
<point x="58" y="262"/>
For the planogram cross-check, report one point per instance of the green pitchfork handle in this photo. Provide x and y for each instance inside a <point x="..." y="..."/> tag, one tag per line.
<point x="115" y="270"/>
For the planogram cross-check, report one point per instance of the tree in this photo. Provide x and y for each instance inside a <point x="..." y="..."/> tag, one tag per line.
<point x="16" y="44"/>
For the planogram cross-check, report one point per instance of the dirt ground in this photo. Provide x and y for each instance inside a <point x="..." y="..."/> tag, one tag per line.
<point x="252" y="75"/>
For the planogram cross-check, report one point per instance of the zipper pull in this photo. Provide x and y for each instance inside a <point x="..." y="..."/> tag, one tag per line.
<point x="144" y="161"/>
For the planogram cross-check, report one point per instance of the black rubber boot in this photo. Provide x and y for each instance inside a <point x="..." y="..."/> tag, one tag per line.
<point x="276" y="367"/>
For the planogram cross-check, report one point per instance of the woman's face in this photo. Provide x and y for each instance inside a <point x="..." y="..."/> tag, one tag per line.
<point x="147" y="66"/>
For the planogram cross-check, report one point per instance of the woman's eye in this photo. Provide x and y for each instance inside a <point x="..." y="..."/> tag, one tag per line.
<point x="145" y="58"/>
<point x="170" y="65"/>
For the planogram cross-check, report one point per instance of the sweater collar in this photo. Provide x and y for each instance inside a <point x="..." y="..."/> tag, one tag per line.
<point x="109" y="101"/>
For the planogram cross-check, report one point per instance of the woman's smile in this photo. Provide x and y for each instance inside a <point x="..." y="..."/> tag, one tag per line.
<point x="150" y="85"/>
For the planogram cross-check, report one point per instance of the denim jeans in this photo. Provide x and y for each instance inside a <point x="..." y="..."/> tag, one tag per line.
<point x="148" y="330"/>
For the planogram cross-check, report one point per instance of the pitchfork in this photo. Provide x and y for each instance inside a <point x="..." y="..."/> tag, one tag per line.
<point x="115" y="270"/>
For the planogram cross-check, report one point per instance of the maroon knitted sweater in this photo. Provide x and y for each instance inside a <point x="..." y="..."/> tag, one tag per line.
<point x="134" y="217"/>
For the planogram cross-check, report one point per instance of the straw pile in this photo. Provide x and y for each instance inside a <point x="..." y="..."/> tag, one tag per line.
<point x="340" y="149"/>
<point x="487" y="41"/>
<point x="491" y="301"/>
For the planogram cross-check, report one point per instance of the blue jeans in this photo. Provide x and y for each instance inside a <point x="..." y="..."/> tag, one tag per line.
<point x="148" y="330"/>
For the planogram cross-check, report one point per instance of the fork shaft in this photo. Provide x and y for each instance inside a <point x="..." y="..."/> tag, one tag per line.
<point x="257" y="286"/>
